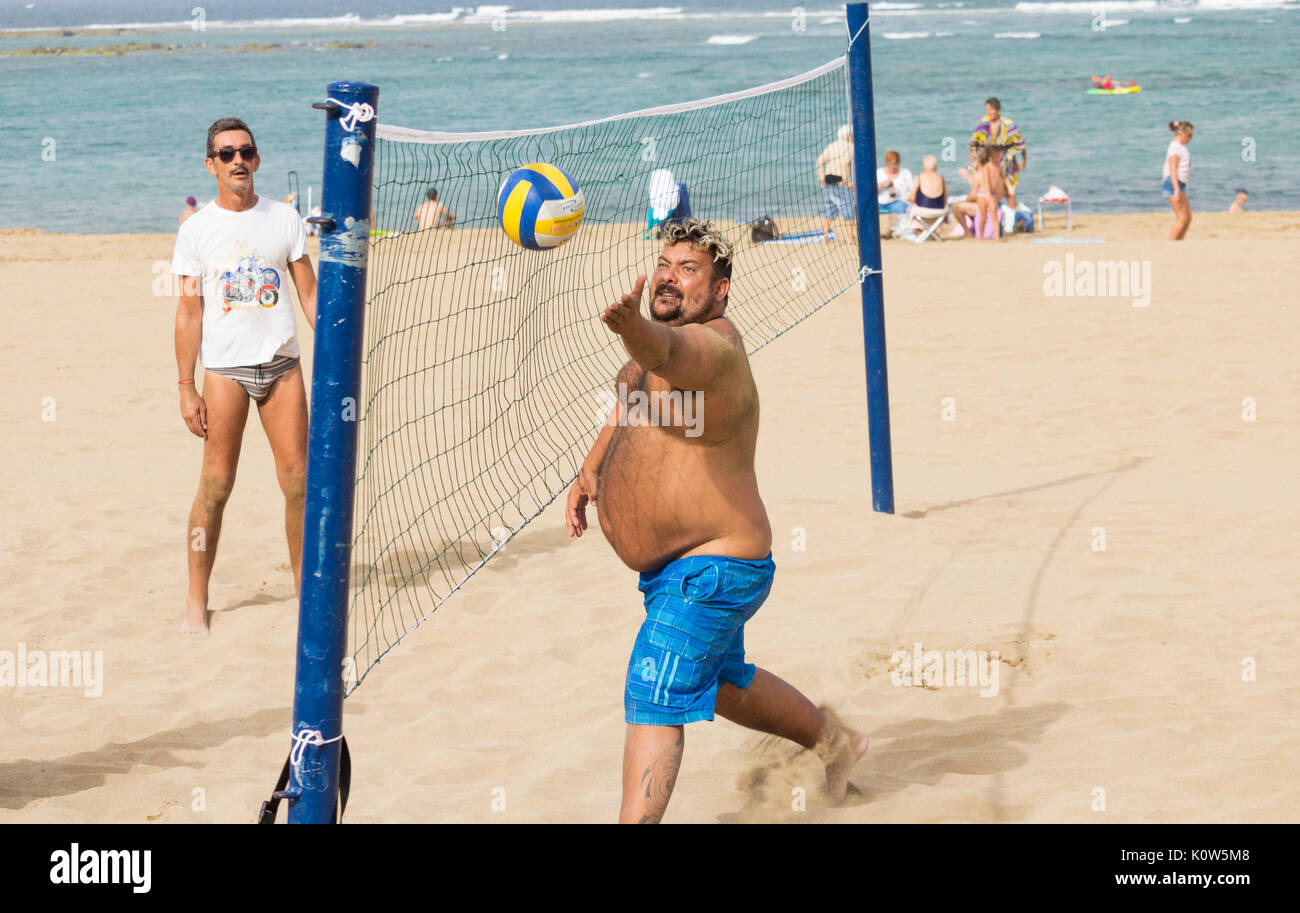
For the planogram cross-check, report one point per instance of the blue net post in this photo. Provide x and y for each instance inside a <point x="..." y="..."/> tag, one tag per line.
<point x="873" y="300"/>
<point x="331" y="451"/>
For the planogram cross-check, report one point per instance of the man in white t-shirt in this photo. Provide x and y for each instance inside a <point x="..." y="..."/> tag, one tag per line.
<point x="235" y="257"/>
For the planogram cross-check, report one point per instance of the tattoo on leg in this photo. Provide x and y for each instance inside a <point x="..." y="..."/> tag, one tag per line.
<point x="659" y="779"/>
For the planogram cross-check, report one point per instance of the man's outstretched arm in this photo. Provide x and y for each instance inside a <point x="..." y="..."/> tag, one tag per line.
<point x="690" y="357"/>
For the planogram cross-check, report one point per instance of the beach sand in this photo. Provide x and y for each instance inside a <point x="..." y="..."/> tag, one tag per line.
<point x="1147" y="682"/>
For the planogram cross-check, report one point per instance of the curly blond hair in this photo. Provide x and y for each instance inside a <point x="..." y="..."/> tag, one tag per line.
<point x="702" y="235"/>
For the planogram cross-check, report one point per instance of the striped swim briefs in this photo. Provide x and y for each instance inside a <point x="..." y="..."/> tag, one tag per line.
<point x="258" y="379"/>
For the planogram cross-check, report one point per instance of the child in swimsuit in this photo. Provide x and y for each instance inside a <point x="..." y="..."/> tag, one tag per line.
<point x="990" y="187"/>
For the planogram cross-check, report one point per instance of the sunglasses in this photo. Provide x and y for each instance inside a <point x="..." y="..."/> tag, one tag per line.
<point x="227" y="155"/>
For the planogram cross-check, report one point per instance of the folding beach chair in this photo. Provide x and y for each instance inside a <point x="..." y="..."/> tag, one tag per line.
<point x="1061" y="198"/>
<point x="929" y="220"/>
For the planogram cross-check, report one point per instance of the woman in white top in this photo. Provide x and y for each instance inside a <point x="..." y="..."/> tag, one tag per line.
<point x="1178" y="166"/>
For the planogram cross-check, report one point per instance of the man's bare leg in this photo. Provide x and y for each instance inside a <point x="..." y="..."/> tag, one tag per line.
<point x="652" y="755"/>
<point x="774" y="706"/>
<point x="227" y="404"/>
<point x="284" y="418"/>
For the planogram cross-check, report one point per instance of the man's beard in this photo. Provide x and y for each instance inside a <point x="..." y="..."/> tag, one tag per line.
<point x="667" y="316"/>
<point x="673" y="315"/>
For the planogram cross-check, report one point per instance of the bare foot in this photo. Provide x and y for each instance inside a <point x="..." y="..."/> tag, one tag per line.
<point x="840" y="750"/>
<point x="196" y="618"/>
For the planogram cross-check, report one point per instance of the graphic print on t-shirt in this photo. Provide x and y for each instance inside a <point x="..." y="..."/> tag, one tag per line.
<point x="250" y="283"/>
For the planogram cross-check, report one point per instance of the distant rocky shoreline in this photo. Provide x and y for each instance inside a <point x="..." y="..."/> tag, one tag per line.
<point x="138" y="47"/>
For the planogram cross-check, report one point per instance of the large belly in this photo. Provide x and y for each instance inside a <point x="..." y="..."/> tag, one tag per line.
<point x="660" y="496"/>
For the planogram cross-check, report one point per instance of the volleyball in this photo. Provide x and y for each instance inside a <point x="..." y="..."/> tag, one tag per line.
<point x="540" y="207"/>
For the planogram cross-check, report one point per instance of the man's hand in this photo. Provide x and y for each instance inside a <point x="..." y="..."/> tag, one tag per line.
<point x="194" y="410"/>
<point x="575" y="508"/>
<point x="624" y="313"/>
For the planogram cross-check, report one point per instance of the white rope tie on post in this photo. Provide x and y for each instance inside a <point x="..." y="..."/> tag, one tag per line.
<point x="855" y="37"/>
<point x="302" y="739"/>
<point x="359" y="112"/>
<point x="868" y="271"/>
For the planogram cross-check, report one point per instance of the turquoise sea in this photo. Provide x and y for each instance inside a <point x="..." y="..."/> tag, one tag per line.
<point x="114" y="142"/>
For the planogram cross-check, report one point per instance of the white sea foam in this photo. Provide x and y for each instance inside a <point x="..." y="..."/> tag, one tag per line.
<point x="1246" y="4"/>
<point x="1183" y="20"/>
<point x="348" y="20"/>
<point x="730" y="39"/>
<point x="509" y="15"/>
<point x="457" y="15"/>
<point x="1085" y="6"/>
<point x="1076" y="7"/>
<point x="1025" y="35"/>
<point x="463" y="15"/>
<point x="903" y="36"/>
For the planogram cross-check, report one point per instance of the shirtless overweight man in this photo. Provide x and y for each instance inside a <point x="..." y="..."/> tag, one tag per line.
<point x="683" y="509"/>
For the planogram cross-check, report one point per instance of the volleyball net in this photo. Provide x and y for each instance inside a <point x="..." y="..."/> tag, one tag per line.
<point x="486" y="366"/>
<point x="460" y="379"/>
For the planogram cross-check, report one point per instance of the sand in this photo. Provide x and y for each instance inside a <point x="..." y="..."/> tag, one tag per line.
<point x="1149" y="681"/>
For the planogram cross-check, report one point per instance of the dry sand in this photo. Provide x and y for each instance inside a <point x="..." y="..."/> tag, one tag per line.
<point x="1120" y="670"/>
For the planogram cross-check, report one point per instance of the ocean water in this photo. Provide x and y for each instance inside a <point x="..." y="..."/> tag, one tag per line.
<point x="114" y="143"/>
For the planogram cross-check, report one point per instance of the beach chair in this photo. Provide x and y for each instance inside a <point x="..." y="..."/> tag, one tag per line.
<point x="1059" y="197"/>
<point x="929" y="220"/>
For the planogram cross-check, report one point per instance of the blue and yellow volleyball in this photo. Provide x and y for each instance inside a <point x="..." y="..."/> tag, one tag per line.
<point x="540" y="206"/>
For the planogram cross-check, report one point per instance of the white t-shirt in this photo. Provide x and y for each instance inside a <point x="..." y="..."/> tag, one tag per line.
<point x="898" y="190"/>
<point x="1184" y="160"/>
<point x="244" y="260"/>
